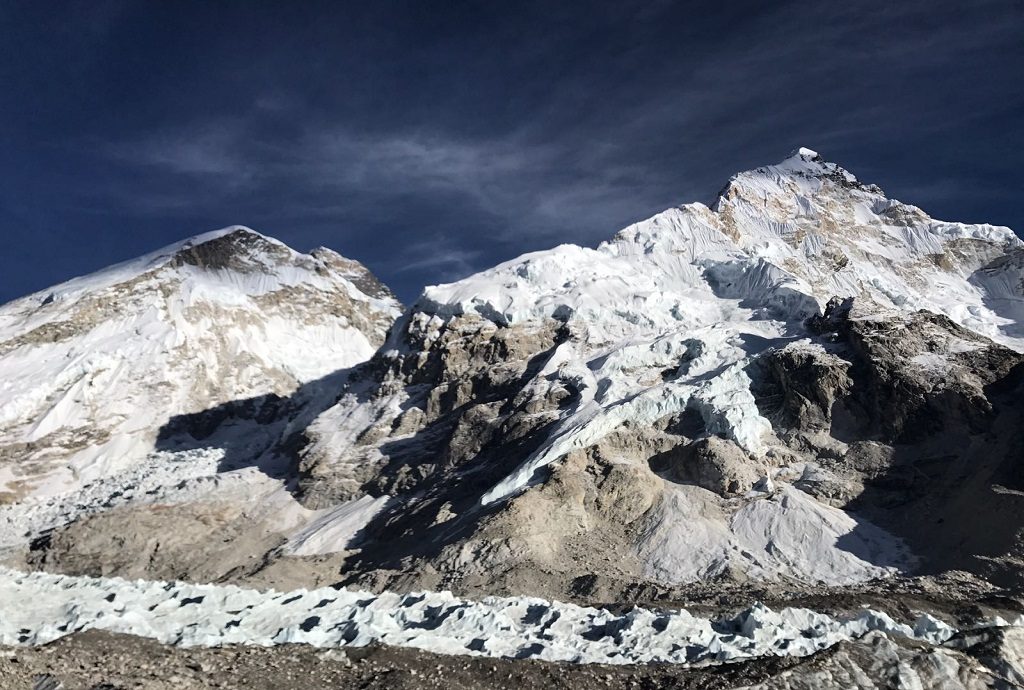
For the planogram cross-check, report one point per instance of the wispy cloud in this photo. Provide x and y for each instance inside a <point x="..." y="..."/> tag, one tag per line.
<point x="532" y="188"/>
<point x="207" y="150"/>
<point x="439" y="258"/>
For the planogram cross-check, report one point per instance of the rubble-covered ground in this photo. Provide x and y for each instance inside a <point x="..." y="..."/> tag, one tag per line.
<point x="103" y="661"/>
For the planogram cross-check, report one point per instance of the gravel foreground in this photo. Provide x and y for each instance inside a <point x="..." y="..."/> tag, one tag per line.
<point x="96" y="660"/>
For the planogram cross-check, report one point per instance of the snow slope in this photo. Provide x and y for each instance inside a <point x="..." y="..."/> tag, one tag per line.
<point x="784" y="535"/>
<point x="781" y="238"/>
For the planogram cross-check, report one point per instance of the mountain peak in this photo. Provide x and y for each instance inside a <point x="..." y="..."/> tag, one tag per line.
<point x="233" y="248"/>
<point x="804" y="173"/>
<point x="808" y="162"/>
<point x="804" y="153"/>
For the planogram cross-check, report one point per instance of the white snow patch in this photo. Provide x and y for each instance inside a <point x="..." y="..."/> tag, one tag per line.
<point x="932" y="360"/>
<point x="333" y="529"/>
<point x="774" y="533"/>
<point x="795" y="536"/>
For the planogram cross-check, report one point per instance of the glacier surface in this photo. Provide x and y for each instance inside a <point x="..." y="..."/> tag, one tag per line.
<point x="516" y="627"/>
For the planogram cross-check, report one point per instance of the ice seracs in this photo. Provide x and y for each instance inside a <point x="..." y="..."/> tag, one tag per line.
<point x="521" y="627"/>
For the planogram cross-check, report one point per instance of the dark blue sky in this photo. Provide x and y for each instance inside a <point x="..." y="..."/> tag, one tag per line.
<point x="433" y="139"/>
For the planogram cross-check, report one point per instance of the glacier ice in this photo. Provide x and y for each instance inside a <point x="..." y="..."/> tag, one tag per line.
<point x="517" y="627"/>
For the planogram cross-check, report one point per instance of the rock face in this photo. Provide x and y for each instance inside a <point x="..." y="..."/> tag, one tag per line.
<point x="918" y="429"/>
<point x="716" y="465"/>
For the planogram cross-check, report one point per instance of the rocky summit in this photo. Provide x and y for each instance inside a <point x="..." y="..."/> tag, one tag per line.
<point x="772" y="441"/>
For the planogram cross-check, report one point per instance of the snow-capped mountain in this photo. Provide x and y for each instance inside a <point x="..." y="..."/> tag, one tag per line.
<point x="97" y="372"/>
<point x="614" y="412"/>
<point x="805" y="392"/>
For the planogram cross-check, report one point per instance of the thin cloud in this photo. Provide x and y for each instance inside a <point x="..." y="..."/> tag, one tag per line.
<point x="535" y="189"/>
<point x="448" y="263"/>
<point x="205" y="151"/>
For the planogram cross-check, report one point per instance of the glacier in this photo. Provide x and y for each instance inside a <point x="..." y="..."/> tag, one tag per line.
<point x="518" y="627"/>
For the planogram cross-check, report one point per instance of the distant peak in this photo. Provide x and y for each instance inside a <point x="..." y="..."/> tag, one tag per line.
<point x="238" y="232"/>
<point x="235" y="247"/>
<point x="355" y="272"/>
